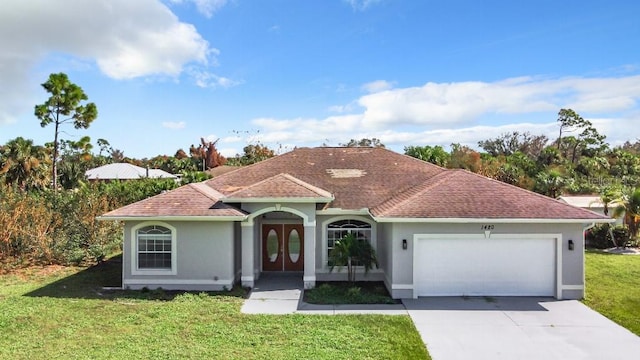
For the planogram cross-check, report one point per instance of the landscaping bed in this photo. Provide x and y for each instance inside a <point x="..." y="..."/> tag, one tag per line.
<point x="340" y="292"/>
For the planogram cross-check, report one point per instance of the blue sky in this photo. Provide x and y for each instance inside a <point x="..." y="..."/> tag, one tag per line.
<point x="307" y="73"/>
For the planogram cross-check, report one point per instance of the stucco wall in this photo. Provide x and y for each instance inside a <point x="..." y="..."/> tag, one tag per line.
<point x="237" y="251"/>
<point x="401" y="269"/>
<point x="205" y="258"/>
<point x="385" y="251"/>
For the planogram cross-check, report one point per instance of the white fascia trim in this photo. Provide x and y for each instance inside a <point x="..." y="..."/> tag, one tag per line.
<point x="572" y="287"/>
<point x="176" y="282"/>
<point x="279" y="200"/>
<point x="154" y="272"/>
<point x="484" y="221"/>
<point x="401" y="286"/>
<point x="172" y="218"/>
<point x="339" y="211"/>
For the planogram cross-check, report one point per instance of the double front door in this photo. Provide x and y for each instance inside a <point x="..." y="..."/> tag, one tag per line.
<point x="282" y="247"/>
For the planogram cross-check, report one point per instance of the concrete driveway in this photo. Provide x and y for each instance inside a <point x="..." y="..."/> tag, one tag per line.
<point x="518" y="328"/>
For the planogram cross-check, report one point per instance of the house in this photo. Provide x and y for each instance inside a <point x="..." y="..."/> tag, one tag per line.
<point x="437" y="232"/>
<point x="591" y="202"/>
<point x="124" y="171"/>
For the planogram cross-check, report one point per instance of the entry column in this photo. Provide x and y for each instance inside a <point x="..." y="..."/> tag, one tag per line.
<point x="248" y="255"/>
<point x="309" y="277"/>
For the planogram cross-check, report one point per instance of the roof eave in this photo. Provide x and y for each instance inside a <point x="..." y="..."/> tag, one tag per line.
<point x="173" y="218"/>
<point x="278" y="200"/>
<point x="490" y="220"/>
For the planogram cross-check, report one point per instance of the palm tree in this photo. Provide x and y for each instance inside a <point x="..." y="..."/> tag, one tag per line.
<point x="608" y="197"/>
<point x="550" y="183"/>
<point x="629" y="206"/>
<point x="24" y="164"/>
<point x="351" y="252"/>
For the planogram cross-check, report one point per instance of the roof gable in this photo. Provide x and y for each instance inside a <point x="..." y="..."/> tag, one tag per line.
<point x="281" y="186"/>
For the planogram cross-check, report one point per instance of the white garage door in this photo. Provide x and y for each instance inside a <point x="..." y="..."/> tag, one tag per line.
<point x="479" y="266"/>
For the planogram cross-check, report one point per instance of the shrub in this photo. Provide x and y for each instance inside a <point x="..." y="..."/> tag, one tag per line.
<point x="45" y="227"/>
<point x="599" y="237"/>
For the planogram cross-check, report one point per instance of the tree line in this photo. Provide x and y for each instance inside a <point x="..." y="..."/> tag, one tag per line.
<point x="48" y="209"/>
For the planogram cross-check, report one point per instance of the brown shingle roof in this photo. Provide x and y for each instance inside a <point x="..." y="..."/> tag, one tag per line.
<point x="357" y="177"/>
<point x="281" y="186"/>
<point x="462" y="194"/>
<point x="188" y="200"/>
<point x="391" y="185"/>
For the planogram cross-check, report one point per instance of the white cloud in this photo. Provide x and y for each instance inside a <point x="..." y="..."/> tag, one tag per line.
<point x="211" y="138"/>
<point x="126" y="39"/>
<point x="361" y="5"/>
<point x="206" y="79"/>
<point x="462" y="102"/>
<point x="340" y="109"/>
<point x="230" y="139"/>
<point x="174" y="125"/>
<point x="377" y="86"/>
<point x="445" y="113"/>
<point x="228" y="152"/>
<point x="205" y="7"/>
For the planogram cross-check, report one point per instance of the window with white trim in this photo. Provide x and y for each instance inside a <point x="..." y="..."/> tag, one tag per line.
<point x="338" y="229"/>
<point x="154" y="248"/>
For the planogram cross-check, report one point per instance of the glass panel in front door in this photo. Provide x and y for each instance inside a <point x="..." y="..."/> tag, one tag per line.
<point x="273" y="246"/>
<point x="294" y="246"/>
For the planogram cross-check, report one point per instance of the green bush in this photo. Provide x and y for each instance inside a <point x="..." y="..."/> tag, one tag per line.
<point x="599" y="237"/>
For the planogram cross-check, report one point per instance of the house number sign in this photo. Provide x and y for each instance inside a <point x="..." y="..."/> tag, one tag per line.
<point x="487" y="227"/>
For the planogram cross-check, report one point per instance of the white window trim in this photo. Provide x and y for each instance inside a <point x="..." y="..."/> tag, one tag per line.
<point x="134" y="251"/>
<point x="325" y="240"/>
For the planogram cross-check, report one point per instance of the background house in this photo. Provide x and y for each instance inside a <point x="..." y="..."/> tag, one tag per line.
<point x="124" y="171"/>
<point x="591" y="202"/>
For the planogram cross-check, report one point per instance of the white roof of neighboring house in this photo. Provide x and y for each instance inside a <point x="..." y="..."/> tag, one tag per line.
<point x="123" y="171"/>
<point x="585" y="201"/>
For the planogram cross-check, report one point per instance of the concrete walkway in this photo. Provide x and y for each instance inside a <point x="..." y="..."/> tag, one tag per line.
<point x="281" y="293"/>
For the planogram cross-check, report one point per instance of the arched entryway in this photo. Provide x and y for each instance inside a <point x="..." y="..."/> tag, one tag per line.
<point x="279" y="239"/>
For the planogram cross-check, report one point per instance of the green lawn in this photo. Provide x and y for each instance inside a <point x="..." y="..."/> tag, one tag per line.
<point x="62" y="313"/>
<point x="613" y="287"/>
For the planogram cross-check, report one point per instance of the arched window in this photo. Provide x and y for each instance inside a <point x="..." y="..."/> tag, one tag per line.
<point x="338" y="229"/>
<point x="154" y="249"/>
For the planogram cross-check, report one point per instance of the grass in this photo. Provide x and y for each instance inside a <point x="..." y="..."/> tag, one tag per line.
<point x="365" y="292"/>
<point x="63" y="313"/>
<point x="613" y="287"/>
